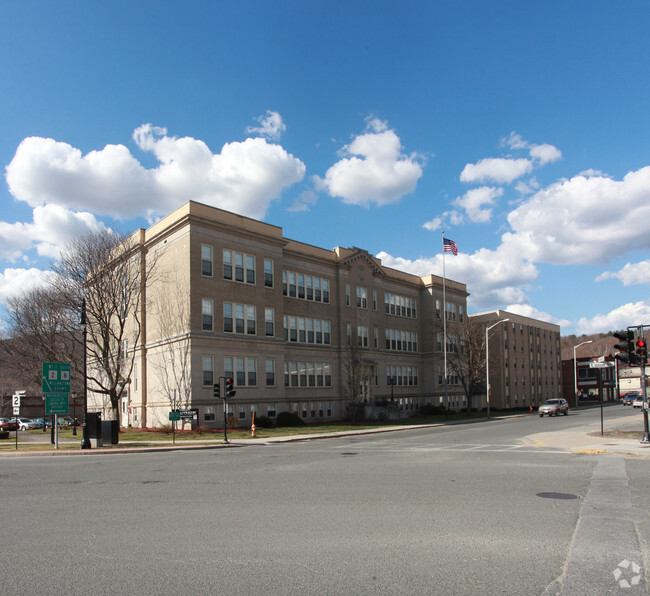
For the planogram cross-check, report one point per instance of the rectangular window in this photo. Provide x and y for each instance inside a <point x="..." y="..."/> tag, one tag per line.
<point x="362" y="297"/>
<point x="326" y="291"/>
<point x="208" y="371"/>
<point x="228" y="367"/>
<point x="302" y="332"/>
<point x="208" y="414"/>
<point x="227" y="264"/>
<point x="207" y="314"/>
<point x="239" y="318"/>
<point x="268" y="273"/>
<point x="269" y="324"/>
<point x="250" y="320"/>
<point x="239" y="266"/>
<point x="250" y="269"/>
<point x="242" y="412"/>
<point x="227" y="317"/>
<point x="327" y="334"/>
<point x="240" y="371"/>
<point x="292" y="284"/>
<point x="317" y="294"/>
<point x="270" y="373"/>
<point x="206" y="260"/>
<point x="347" y="294"/>
<point x="270" y="410"/>
<point x="301" y="285"/>
<point x="251" y="372"/>
<point x="310" y="287"/>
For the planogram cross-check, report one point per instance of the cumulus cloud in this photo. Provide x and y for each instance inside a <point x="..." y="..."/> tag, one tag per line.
<point x="51" y="228"/>
<point x="631" y="274"/>
<point x="527" y="310"/>
<point x="14" y="282"/>
<point x="569" y="221"/>
<point x="374" y="169"/>
<point x="271" y="126"/>
<point x="631" y="314"/>
<point x="499" y="170"/>
<point x="492" y="277"/>
<point x="244" y="177"/>
<point x="477" y="203"/>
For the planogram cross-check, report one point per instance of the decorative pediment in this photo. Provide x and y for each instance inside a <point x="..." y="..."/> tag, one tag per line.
<point x="358" y="256"/>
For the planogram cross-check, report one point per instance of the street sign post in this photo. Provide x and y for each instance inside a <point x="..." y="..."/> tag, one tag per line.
<point x="56" y="403"/>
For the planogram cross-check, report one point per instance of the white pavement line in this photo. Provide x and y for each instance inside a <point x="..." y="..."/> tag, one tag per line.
<point x="605" y="555"/>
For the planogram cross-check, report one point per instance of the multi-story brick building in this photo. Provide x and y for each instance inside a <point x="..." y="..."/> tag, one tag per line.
<point x="231" y="297"/>
<point x="525" y="359"/>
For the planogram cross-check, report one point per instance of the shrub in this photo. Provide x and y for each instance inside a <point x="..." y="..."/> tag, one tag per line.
<point x="431" y="410"/>
<point x="4" y="434"/>
<point x="290" y="419"/>
<point x="263" y="422"/>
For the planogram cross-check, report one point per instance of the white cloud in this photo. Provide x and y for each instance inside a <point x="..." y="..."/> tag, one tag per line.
<point x="13" y="282"/>
<point x="582" y="220"/>
<point x="433" y="225"/>
<point x="475" y="201"/>
<point x="492" y="277"/>
<point x="526" y="310"/>
<point x="627" y="315"/>
<point x="631" y="274"/>
<point x="271" y="126"/>
<point x="499" y="170"/>
<point x="52" y="227"/>
<point x="244" y="177"/>
<point x="381" y="175"/>
<point x="545" y="153"/>
<point x="304" y="201"/>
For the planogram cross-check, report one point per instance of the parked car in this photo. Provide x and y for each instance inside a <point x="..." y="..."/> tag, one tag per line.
<point x="8" y="424"/>
<point x="41" y="421"/>
<point x="25" y="423"/>
<point x="65" y="420"/>
<point x="629" y="398"/>
<point x="638" y="402"/>
<point x="553" y="407"/>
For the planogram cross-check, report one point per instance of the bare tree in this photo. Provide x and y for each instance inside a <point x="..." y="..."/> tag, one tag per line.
<point x="107" y="272"/>
<point x="358" y="377"/>
<point x="466" y="355"/>
<point x="172" y="358"/>
<point x="42" y="328"/>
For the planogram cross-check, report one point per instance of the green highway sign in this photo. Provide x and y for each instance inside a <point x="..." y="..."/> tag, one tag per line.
<point x="56" y="403"/>
<point x="56" y="377"/>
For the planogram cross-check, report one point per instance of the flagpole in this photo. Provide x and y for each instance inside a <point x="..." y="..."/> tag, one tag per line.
<point x="444" y="317"/>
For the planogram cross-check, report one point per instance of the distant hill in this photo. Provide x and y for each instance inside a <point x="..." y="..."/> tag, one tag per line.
<point x="602" y="345"/>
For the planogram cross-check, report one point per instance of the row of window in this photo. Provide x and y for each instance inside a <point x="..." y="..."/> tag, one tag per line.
<point x="401" y="306"/>
<point x="306" y="287"/>
<point x="303" y="330"/>
<point x="453" y="311"/>
<point x="307" y="374"/>
<point x="243" y="371"/>
<point x="402" y="375"/>
<point x="243" y="411"/>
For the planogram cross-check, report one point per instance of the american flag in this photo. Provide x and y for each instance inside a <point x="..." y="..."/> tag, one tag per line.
<point x="449" y="246"/>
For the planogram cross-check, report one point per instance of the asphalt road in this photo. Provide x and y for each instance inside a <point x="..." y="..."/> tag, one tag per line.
<point x="472" y="509"/>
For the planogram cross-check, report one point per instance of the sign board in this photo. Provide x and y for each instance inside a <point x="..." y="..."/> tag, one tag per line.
<point x="16" y="410"/>
<point x="56" y="403"/>
<point x="15" y="400"/>
<point x="56" y="377"/>
<point x="594" y="364"/>
<point x="189" y="414"/>
<point x="174" y="415"/>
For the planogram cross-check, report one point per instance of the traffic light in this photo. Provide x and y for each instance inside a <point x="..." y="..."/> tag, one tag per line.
<point x="641" y="351"/>
<point x="625" y="347"/>
<point x="230" y="392"/>
<point x="217" y="390"/>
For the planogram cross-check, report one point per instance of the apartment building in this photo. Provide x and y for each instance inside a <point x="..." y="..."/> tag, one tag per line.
<point x="525" y="360"/>
<point x="232" y="297"/>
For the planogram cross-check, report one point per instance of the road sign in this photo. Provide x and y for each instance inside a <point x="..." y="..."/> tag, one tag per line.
<point x="56" y="403"/>
<point x="56" y="377"/>
<point x="174" y="415"/>
<point x="16" y="410"/>
<point x="15" y="401"/>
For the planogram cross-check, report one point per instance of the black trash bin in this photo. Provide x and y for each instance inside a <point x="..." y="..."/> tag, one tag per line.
<point x="94" y="426"/>
<point x="110" y="432"/>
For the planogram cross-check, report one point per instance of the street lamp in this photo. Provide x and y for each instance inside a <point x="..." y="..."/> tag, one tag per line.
<point x="85" y="441"/>
<point x="487" y="363"/>
<point x="575" y="369"/>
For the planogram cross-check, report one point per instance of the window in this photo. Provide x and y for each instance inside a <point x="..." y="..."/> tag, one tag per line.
<point x="347" y="294"/>
<point x="206" y="260"/>
<point x="307" y="374"/>
<point x="243" y="371"/>
<point x="244" y="267"/>
<point x="270" y="373"/>
<point x="305" y="287"/>
<point x="374" y="300"/>
<point x="242" y="412"/>
<point x="270" y="410"/>
<point x="362" y="297"/>
<point x="208" y="371"/>
<point x="208" y="414"/>
<point x="362" y="336"/>
<point x="268" y="273"/>
<point x="269" y="325"/>
<point x="402" y="306"/>
<point x="310" y="331"/>
<point x="245" y="318"/>
<point x="207" y="314"/>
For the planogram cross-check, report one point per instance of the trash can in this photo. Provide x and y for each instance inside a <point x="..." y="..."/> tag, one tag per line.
<point x="94" y="427"/>
<point x="110" y="432"/>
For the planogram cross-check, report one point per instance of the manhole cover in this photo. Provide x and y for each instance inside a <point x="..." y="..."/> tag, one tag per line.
<point x="565" y="496"/>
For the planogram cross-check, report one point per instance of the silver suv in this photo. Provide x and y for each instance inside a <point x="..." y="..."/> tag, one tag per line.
<point x="553" y="407"/>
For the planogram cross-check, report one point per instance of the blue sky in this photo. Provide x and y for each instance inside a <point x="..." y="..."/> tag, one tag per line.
<point x="520" y="129"/>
